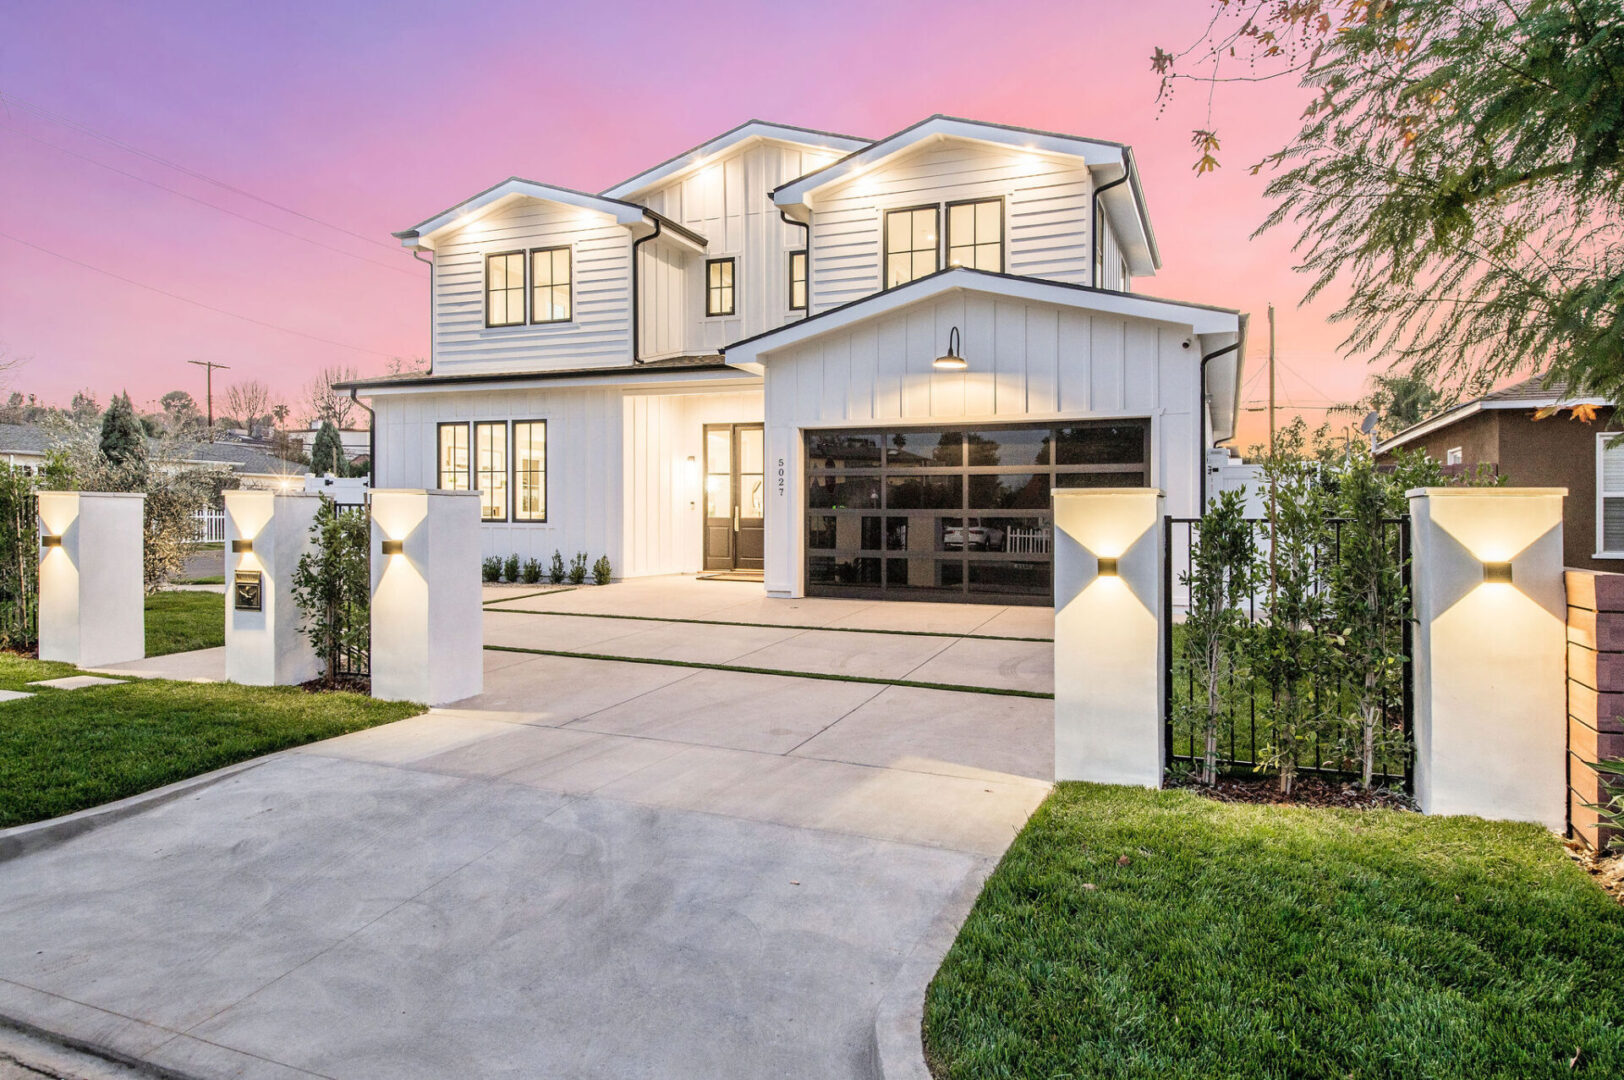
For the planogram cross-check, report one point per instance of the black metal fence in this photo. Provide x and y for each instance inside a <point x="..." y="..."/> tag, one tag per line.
<point x="355" y="658"/>
<point x="1244" y="726"/>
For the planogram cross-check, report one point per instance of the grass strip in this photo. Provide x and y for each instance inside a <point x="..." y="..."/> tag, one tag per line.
<point x="774" y="626"/>
<point x="528" y="595"/>
<point x="742" y="669"/>
<point x="181" y="621"/>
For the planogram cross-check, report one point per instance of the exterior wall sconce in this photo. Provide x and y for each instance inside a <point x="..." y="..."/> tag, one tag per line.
<point x="1497" y="573"/>
<point x="1108" y="567"/>
<point x="394" y="547"/>
<point x="50" y="540"/>
<point x="952" y="361"/>
<point x="242" y="547"/>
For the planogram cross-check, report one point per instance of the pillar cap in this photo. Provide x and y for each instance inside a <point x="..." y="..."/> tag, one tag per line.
<point x="1072" y="492"/>
<point x="1497" y="492"/>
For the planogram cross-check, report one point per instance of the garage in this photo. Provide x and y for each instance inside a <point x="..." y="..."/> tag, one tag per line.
<point x="954" y="512"/>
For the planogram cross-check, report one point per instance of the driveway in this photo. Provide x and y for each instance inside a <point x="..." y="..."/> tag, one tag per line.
<point x="598" y="868"/>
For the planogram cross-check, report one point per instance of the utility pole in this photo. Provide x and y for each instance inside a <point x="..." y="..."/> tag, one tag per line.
<point x="210" y="367"/>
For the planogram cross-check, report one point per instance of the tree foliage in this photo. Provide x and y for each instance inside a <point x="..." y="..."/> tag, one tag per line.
<point x="123" y="442"/>
<point x="1400" y="399"/>
<point x="327" y="451"/>
<point x="325" y="402"/>
<point x="1222" y="575"/>
<point x="332" y="585"/>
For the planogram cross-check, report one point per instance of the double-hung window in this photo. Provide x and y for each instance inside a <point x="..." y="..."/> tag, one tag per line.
<point x="453" y="472"/>
<point x="797" y="280"/>
<point x="719" y="298"/>
<point x="1609" y="496"/>
<point x="530" y="470"/>
<point x="550" y="285"/>
<point x="911" y="248"/>
<point x="975" y="234"/>
<point x="504" y="289"/>
<point x="490" y="469"/>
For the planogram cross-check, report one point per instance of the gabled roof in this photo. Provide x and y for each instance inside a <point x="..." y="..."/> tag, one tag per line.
<point x="625" y="213"/>
<point x="1538" y="392"/>
<point x="1111" y="161"/>
<point x="698" y="156"/>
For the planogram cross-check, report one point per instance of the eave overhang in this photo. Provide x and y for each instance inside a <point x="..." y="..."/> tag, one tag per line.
<point x="705" y="153"/>
<point x="639" y="219"/>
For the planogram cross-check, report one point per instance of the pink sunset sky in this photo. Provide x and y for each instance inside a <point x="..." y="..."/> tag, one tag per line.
<point x="364" y="118"/>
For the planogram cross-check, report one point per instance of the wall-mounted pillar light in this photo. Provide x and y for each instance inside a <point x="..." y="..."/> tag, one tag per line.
<point x="242" y="547"/>
<point x="50" y="540"/>
<point x="1108" y="567"/>
<point x="394" y="547"/>
<point x="952" y="361"/>
<point x="1497" y="573"/>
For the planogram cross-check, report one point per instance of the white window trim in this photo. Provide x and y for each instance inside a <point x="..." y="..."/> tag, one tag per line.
<point x="1455" y="455"/>
<point x="1601" y="496"/>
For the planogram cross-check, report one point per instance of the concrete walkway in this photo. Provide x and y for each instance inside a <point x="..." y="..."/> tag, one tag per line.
<point x="596" y="868"/>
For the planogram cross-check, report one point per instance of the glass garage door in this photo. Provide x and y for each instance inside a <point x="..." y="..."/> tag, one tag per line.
<point x="953" y="513"/>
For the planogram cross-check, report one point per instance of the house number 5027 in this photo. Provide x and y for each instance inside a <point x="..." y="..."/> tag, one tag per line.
<point x="780" y="478"/>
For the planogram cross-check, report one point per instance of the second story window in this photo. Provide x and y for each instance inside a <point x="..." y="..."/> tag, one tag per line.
<point x="797" y="281"/>
<point x="975" y="234"/>
<point x="504" y="289"/>
<point x="719" y="287"/>
<point x="910" y="244"/>
<point x="550" y="285"/>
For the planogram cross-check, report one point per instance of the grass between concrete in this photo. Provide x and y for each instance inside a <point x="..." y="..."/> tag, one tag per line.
<point x="874" y="680"/>
<point x="1129" y="933"/>
<point x="768" y="626"/>
<point x="183" y="621"/>
<point x="66" y="750"/>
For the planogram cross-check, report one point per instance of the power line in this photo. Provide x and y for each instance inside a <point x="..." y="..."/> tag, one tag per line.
<point x="189" y="300"/>
<point x="212" y="206"/>
<point x="58" y="118"/>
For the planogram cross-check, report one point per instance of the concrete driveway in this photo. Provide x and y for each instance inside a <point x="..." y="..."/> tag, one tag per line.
<point x="597" y="868"/>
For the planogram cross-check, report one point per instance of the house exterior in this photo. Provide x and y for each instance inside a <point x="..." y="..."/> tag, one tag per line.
<point x="853" y="367"/>
<point x="1499" y="433"/>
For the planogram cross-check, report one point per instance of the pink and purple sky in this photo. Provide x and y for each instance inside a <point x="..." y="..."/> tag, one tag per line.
<point x="369" y="117"/>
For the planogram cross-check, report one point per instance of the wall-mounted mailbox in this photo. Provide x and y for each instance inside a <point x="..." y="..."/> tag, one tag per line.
<point x="249" y="592"/>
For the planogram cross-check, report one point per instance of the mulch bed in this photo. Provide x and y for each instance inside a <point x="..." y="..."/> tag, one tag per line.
<point x="1306" y="791"/>
<point x="1607" y="868"/>
<point x="355" y="684"/>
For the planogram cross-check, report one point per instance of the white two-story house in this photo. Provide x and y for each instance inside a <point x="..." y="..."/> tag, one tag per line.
<point x="857" y="368"/>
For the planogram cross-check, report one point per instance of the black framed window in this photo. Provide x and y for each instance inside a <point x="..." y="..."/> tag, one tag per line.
<point x="504" y="288"/>
<point x="975" y="234"/>
<point x="452" y="453"/>
<point x="911" y="248"/>
<point x="530" y="470"/>
<point x="719" y="298"/>
<point x="797" y="280"/>
<point x="490" y="469"/>
<point x="550" y="300"/>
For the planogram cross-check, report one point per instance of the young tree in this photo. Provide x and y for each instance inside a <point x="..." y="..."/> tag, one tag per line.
<point x="123" y="442"/>
<point x="85" y="407"/>
<point x="1219" y="581"/>
<point x="325" y="402"/>
<point x="332" y="586"/>
<point x="327" y="452"/>
<point x="249" y="401"/>
<point x="1460" y="169"/>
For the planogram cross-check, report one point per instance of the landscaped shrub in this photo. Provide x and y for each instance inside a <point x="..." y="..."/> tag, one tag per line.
<point x="19" y="560"/>
<point x="1219" y="580"/>
<point x="531" y="572"/>
<point x="510" y="568"/>
<point x="601" y="571"/>
<point x="578" y="569"/>
<point x="490" y="571"/>
<point x="1612" y="811"/>
<point x="332" y="585"/>
<point x="555" y="572"/>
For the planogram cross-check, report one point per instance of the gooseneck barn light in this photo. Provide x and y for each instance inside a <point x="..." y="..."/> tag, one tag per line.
<point x="952" y="361"/>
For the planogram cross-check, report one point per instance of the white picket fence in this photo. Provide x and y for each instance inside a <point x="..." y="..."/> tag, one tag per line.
<point x="211" y="527"/>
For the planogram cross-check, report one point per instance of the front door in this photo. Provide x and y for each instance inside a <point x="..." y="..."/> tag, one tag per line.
<point x="735" y="494"/>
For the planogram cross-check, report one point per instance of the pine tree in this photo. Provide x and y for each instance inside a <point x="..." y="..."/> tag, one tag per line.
<point x="327" y="452"/>
<point x="122" y="441"/>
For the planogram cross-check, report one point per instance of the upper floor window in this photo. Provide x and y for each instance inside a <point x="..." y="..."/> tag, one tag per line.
<point x="453" y="474"/>
<point x="797" y="280"/>
<point x="975" y="234"/>
<point x="530" y="470"/>
<point x="504" y="288"/>
<point x="550" y="285"/>
<point x="719" y="287"/>
<point x="490" y="469"/>
<point x="911" y="249"/>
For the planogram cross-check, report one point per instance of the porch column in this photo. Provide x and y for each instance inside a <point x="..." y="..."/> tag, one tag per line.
<point x="91" y="581"/>
<point x="266" y="533"/>
<point x="1490" y="653"/>
<point x="1108" y="635"/>
<point x="427" y="625"/>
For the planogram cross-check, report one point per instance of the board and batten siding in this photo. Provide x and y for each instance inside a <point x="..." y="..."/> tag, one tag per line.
<point x="665" y="302"/>
<point x="584" y="503"/>
<point x="1029" y="361"/>
<point x="729" y="202"/>
<point x="1046" y="213"/>
<point x="598" y="334"/>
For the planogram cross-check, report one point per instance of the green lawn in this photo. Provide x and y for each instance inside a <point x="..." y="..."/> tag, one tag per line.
<point x="65" y="750"/>
<point x="1266" y="941"/>
<point x="183" y="621"/>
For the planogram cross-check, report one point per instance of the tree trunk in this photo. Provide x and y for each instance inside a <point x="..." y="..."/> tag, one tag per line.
<point x="1369" y="709"/>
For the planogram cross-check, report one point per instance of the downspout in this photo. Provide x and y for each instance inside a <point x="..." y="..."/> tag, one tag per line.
<point x="372" y="441"/>
<point x="806" y="246"/>
<point x="637" y="341"/>
<point x="1201" y="416"/>
<point x="417" y="253"/>
<point x="1098" y="254"/>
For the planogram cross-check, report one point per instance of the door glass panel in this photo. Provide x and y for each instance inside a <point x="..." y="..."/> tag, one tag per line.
<point x="1009" y="491"/>
<point x="1099" y="479"/>
<point x="1029" y="446"/>
<point x="843" y="449"/>
<point x="925" y="493"/>
<point x="719" y="496"/>
<point x="1108" y="443"/>
<point x="925" y="449"/>
<point x="843" y="493"/>
<point x="750" y="450"/>
<point x="820" y="530"/>
<point x="751" y="489"/>
<point x="719" y="452"/>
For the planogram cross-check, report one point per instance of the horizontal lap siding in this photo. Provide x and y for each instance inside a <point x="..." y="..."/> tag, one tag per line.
<point x="1046" y="214"/>
<point x="599" y="333"/>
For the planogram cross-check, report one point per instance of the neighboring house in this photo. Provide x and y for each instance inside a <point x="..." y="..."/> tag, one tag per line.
<point x="853" y="367"/>
<point x="1498" y="432"/>
<point x="357" y="442"/>
<point x="24" y="446"/>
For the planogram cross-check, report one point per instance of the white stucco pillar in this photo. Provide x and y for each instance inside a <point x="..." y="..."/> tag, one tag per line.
<point x="1108" y="634"/>
<point x="265" y="535"/>
<point x="91" y="588"/>
<point x="1490" y="653"/>
<point x="427" y="631"/>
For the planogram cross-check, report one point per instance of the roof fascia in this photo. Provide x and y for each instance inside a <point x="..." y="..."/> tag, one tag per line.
<point x="471" y="209"/>
<point x="701" y="155"/>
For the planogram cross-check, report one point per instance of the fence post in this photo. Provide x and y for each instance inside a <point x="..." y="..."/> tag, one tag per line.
<point x="91" y="581"/>
<point x="1108" y="635"/>
<point x="265" y="533"/>
<point x="427" y="623"/>
<point x="1490" y="653"/>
